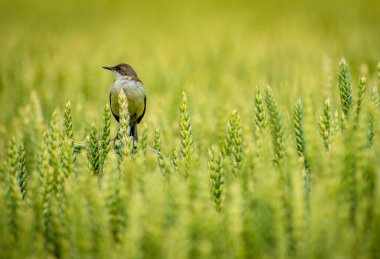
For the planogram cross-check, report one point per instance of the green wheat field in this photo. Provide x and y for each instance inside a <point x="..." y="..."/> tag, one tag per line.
<point x="260" y="138"/>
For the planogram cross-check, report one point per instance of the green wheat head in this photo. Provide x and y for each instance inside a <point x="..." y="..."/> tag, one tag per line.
<point x="325" y="125"/>
<point x="233" y="142"/>
<point x="93" y="150"/>
<point x="123" y="143"/>
<point x="157" y="139"/>
<point x="185" y="133"/>
<point x="13" y="194"/>
<point x="362" y="86"/>
<point x="277" y="126"/>
<point x="67" y="157"/>
<point x="144" y="139"/>
<point x="237" y="147"/>
<point x="260" y="124"/>
<point x="176" y="159"/>
<point x="68" y="122"/>
<point x="299" y="134"/>
<point x="230" y="135"/>
<point x="215" y="167"/>
<point x="22" y="170"/>
<point x="375" y="97"/>
<point x="370" y="126"/>
<point x="260" y="116"/>
<point x="344" y="84"/>
<point x="298" y="127"/>
<point x="105" y="138"/>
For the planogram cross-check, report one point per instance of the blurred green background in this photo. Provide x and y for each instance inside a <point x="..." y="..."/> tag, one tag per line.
<point x="217" y="51"/>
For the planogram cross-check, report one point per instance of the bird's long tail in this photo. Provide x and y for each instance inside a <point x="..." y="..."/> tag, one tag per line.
<point x="133" y="131"/>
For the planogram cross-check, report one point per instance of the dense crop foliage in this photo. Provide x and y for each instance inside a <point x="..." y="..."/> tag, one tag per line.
<point x="259" y="139"/>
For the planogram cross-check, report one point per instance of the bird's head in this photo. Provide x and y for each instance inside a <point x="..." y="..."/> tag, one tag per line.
<point x="122" y="70"/>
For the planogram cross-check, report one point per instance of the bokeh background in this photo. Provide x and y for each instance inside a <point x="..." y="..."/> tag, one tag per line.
<point x="217" y="51"/>
<point x="271" y="197"/>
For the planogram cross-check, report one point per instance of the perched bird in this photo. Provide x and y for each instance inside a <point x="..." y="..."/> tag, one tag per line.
<point x="127" y="80"/>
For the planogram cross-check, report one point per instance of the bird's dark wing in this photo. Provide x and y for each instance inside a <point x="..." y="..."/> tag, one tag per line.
<point x="116" y="117"/>
<point x="142" y="115"/>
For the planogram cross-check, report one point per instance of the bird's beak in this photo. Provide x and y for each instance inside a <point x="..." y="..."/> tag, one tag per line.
<point x="109" y="68"/>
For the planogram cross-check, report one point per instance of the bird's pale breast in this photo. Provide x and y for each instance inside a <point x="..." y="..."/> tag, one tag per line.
<point x="135" y="93"/>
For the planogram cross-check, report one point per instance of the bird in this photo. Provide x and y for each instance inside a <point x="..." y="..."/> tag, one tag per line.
<point x="127" y="80"/>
